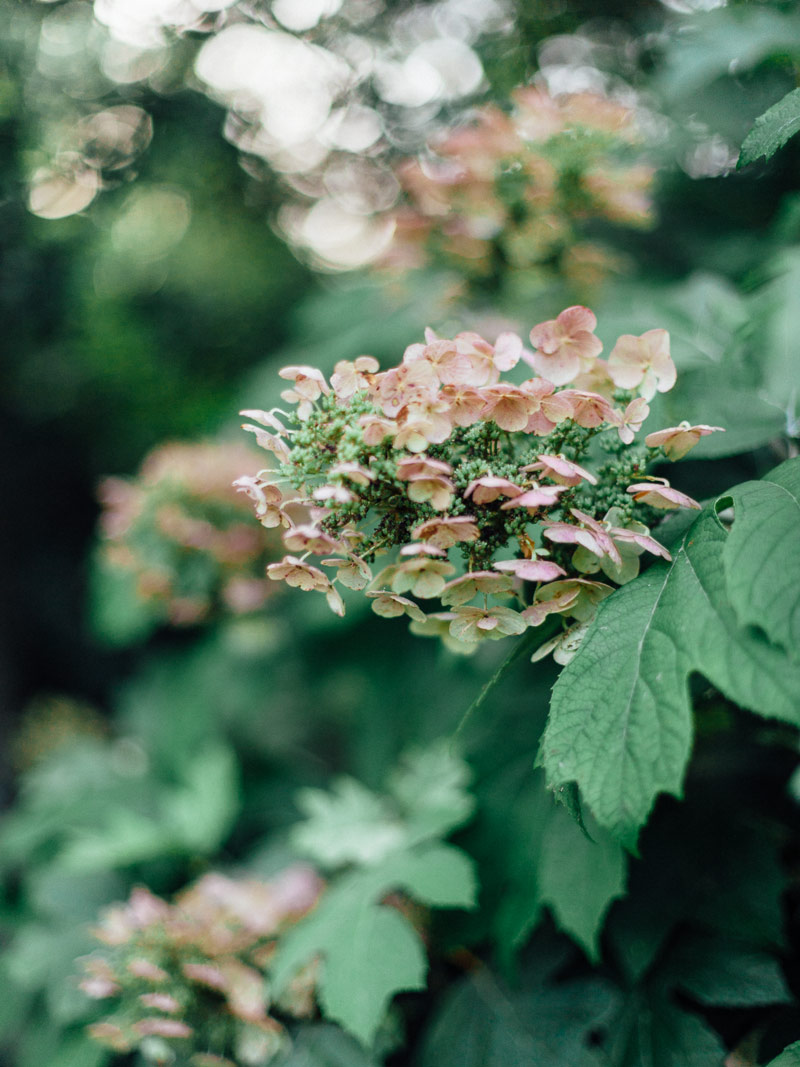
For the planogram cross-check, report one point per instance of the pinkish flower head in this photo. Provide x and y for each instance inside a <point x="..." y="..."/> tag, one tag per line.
<point x="406" y="384"/>
<point x="462" y="589"/>
<point x="309" y="383"/>
<point x="355" y="472"/>
<point x="423" y="422"/>
<point x="376" y="429"/>
<point x="507" y="351"/>
<point x="531" y="570"/>
<point x="157" y="1027"/>
<point x="588" y="409"/>
<point x="307" y="538"/>
<point x="488" y="488"/>
<point x="591" y="535"/>
<point x="473" y="624"/>
<point x="508" y="406"/>
<point x="349" y="377"/>
<point x="298" y="575"/>
<point x="576" y="597"/>
<point x="562" y="470"/>
<point x="676" y="441"/>
<point x="643" y="362"/>
<point x="465" y="404"/>
<point x="414" y="466"/>
<point x="629" y="421"/>
<point x="160" y="1002"/>
<point x="445" y="532"/>
<point x="565" y="346"/>
<point x="540" y="496"/>
<point x="390" y="605"/>
<point x="337" y="493"/>
<point x="435" y="490"/>
<point x="353" y="572"/>
<point x="271" y="442"/>
<point x="424" y="576"/>
<point x="266" y="418"/>
<point x="549" y="409"/>
<point x="658" y="493"/>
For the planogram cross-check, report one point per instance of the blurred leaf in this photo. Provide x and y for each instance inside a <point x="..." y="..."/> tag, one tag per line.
<point x="790" y="1057"/>
<point x="580" y="876"/>
<point x="762" y="555"/>
<point x="714" y="42"/>
<point x="118" y="615"/>
<point x="484" y="1023"/>
<point x="652" y="1031"/>
<point x="431" y="788"/>
<point x="346" y="824"/>
<point x="325" y="1046"/>
<point x="728" y="974"/>
<point x="193" y="817"/>
<point x="620" y="720"/>
<point x="202" y="812"/>
<point x="772" y="130"/>
<point x="775" y="347"/>
<point x="370" y="951"/>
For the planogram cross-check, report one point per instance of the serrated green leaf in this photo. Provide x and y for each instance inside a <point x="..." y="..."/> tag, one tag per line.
<point x="579" y="877"/>
<point x="790" y="1057"/>
<point x="772" y="130"/>
<point x="346" y="824"/>
<point x="620" y="719"/>
<point x="762" y="555"/>
<point x="370" y="951"/>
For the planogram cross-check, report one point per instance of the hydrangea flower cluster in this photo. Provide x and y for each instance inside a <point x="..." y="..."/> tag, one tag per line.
<point x="191" y="979"/>
<point x="514" y="189"/>
<point x="538" y="487"/>
<point x="183" y="532"/>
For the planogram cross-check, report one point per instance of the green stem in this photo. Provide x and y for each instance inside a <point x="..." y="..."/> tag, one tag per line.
<point x="528" y="643"/>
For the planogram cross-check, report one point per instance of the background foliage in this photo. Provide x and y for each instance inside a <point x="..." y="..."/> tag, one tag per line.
<point x="648" y="918"/>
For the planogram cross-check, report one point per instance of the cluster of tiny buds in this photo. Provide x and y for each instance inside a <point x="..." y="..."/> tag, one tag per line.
<point x="441" y="455"/>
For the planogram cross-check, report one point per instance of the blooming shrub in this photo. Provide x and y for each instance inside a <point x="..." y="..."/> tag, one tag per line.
<point x="513" y="190"/>
<point x="193" y="975"/>
<point x="528" y="497"/>
<point x="181" y="532"/>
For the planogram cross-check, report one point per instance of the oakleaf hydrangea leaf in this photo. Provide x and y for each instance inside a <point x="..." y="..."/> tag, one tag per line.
<point x="772" y="130"/>
<point x="580" y="876"/>
<point x="762" y="555"/>
<point x="620" y="720"/>
<point x="346" y="824"/>
<point x="370" y="951"/>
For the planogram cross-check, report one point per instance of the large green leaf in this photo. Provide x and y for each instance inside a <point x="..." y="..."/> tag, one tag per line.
<point x="653" y="1033"/>
<point x="369" y="950"/>
<point x="772" y="129"/>
<point x="620" y="720"/>
<point x="762" y="555"/>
